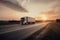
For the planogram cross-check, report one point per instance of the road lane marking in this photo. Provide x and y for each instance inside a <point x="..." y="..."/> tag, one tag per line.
<point x="18" y="28"/>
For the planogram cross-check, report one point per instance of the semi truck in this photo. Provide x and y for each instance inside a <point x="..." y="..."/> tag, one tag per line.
<point x="27" y="20"/>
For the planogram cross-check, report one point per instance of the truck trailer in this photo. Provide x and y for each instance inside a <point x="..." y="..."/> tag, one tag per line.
<point x="27" y="20"/>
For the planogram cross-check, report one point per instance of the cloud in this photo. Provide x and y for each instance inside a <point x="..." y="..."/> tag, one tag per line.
<point x="13" y="5"/>
<point x="56" y="7"/>
<point x="42" y="1"/>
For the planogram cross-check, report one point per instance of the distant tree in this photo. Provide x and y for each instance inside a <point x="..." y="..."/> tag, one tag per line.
<point x="57" y="20"/>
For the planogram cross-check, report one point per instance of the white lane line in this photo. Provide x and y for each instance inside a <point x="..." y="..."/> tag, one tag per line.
<point x="18" y="28"/>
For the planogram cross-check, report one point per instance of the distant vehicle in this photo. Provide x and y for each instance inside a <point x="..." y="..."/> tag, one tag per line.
<point x="27" y="20"/>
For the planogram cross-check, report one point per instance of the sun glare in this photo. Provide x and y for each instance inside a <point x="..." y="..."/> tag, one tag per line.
<point x="41" y="17"/>
<point x="38" y="17"/>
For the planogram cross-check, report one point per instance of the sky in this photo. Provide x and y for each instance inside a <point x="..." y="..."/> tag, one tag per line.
<point x="39" y="9"/>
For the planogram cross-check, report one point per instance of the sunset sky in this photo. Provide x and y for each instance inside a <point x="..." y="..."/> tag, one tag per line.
<point x="39" y="9"/>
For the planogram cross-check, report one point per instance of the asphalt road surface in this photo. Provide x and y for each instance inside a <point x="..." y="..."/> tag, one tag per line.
<point x="19" y="32"/>
<point x="50" y="32"/>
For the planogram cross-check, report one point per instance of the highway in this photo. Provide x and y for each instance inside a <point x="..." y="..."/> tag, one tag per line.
<point x="19" y="32"/>
<point x="49" y="32"/>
